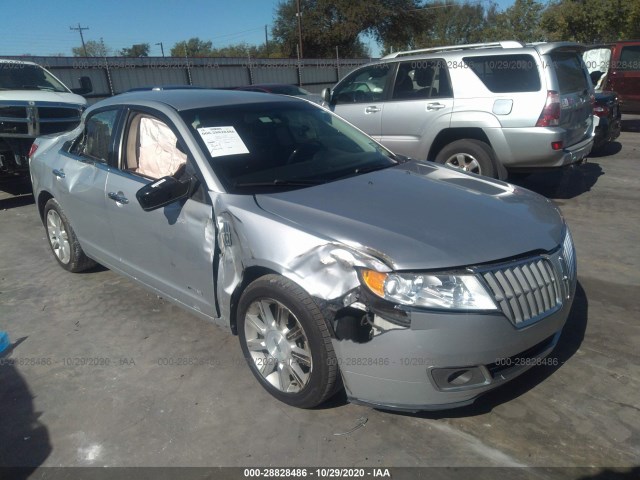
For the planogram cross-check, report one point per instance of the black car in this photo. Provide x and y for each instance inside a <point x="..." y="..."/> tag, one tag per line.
<point x="607" y="108"/>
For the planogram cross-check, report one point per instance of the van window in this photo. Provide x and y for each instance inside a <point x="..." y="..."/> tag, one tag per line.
<point x="630" y="58"/>
<point x="569" y="71"/>
<point x="506" y="73"/>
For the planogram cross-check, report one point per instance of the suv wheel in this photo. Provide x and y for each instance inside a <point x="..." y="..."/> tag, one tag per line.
<point x="285" y="341"/>
<point x="469" y="155"/>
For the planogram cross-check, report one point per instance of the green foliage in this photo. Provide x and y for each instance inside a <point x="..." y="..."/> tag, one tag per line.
<point x="94" y="49"/>
<point x="592" y="21"/>
<point x="194" y="47"/>
<point x="136" y="50"/>
<point x="327" y="24"/>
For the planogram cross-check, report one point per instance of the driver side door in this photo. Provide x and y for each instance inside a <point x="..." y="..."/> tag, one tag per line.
<point x="170" y="249"/>
<point x="360" y="98"/>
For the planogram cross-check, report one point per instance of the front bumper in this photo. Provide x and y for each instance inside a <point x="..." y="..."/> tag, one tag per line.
<point x="444" y="360"/>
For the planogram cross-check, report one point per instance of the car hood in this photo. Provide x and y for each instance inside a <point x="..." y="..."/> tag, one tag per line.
<point x="41" y="96"/>
<point x="420" y="216"/>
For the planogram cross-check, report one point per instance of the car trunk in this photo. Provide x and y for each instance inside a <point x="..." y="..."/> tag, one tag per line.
<point x="575" y="94"/>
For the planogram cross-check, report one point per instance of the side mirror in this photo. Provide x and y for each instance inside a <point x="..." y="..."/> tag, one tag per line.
<point x="326" y="95"/>
<point x="161" y="193"/>
<point x="86" y="86"/>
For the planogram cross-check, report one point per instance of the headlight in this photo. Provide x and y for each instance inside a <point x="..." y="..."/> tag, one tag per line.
<point x="456" y="292"/>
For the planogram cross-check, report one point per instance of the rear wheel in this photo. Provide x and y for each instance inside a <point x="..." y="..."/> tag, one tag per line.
<point x="63" y="241"/>
<point x="286" y="342"/>
<point x="469" y="155"/>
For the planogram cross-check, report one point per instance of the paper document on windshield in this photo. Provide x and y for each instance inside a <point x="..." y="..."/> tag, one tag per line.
<point x="222" y="141"/>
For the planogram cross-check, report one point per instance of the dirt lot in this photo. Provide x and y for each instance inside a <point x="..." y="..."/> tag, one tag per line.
<point x="90" y="381"/>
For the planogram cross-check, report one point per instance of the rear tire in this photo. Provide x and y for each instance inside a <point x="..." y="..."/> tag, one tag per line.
<point x="286" y="342"/>
<point x="469" y="155"/>
<point x="63" y="241"/>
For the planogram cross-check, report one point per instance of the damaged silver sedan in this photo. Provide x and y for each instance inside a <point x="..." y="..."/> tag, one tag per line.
<point x="337" y="263"/>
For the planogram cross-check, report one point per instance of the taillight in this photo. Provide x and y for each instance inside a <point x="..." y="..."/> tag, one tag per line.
<point x="601" y="111"/>
<point x="550" y="116"/>
<point x="32" y="150"/>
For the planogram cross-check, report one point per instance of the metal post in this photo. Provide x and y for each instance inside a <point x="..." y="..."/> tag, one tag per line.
<point x="161" y="48"/>
<point x="299" y="15"/>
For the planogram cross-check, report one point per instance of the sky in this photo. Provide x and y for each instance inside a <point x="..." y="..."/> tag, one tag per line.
<point x="42" y="27"/>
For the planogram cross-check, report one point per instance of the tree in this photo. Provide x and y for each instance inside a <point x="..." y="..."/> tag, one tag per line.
<point x="592" y="21"/>
<point x="521" y="21"/>
<point x="194" y="47"/>
<point x="136" y="50"/>
<point x="444" y="23"/>
<point x="94" y="49"/>
<point x="327" y="24"/>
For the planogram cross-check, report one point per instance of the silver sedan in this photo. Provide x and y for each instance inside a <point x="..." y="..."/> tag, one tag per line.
<point x="336" y="262"/>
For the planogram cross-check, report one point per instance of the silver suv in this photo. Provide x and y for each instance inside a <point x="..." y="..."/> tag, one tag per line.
<point x="487" y="108"/>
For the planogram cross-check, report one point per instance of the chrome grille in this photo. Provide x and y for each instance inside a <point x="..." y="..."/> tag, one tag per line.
<point x="525" y="290"/>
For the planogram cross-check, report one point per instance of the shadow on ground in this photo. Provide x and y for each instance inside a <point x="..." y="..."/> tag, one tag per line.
<point x="24" y="440"/>
<point x="19" y="188"/>
<point x="562" y="183"/>
<point x="607" y="150"/>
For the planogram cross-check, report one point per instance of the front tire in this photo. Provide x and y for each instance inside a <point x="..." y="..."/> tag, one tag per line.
<point x="286" y="342"/>
<point x="469" y="155"/>
<point x="63" y="241"/>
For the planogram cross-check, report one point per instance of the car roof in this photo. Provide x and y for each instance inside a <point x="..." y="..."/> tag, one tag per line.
<point x="188" y="99"/>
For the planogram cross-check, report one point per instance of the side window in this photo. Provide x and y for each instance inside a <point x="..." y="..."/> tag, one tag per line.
<point x="509" y="73"/>
<point x="365" y="85"/>
<point x="95" y="141"/>
<point x="630" y="58"/>
<point x="421" y="79"/>
<point x="152" y="149"/>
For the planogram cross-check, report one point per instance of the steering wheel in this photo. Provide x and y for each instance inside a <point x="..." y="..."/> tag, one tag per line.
<point x="305" y="151"/>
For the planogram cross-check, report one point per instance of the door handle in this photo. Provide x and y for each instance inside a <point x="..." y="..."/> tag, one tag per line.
<point x="372" y="109"/>
<point x="118" y="197"/>
<point x="58" y="173"/>
<point x="435" y="106"/>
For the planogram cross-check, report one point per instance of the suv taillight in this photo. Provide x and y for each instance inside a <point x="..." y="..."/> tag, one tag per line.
<point x="550" y="116"/>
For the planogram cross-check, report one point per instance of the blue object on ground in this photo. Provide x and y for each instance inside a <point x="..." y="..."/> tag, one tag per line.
<point x="4" y="341"/>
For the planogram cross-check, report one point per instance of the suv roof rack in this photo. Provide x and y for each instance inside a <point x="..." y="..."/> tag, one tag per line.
<point x="469" y="46"/>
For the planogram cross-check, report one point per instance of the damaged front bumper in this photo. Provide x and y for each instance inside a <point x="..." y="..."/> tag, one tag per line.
<point x="442" y="360"/>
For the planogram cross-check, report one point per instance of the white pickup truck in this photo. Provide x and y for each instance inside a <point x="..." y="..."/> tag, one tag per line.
<point x="33" y="102"/>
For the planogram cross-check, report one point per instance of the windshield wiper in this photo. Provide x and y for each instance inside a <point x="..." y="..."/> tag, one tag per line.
<point x="280" y="183"/>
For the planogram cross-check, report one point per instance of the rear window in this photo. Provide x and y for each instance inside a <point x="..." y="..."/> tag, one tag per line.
<point x="630" y="58"/>
<point x="506" y="73"/>
<point x="569" y="71"/>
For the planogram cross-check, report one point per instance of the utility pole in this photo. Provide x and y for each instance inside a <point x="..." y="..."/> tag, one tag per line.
<point x="299" y="15"/>
<point x="266" y="41"/>
<point x="161" y="48"/>
<point x="80" y="29"/>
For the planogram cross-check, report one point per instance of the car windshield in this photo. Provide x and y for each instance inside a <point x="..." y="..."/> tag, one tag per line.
<point x="272" y="146"/>
<point x="20" y="76"/>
